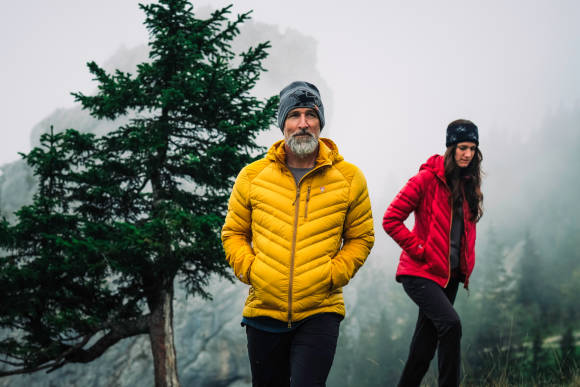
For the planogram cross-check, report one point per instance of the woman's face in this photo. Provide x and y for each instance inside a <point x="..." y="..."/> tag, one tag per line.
<point x="464" y="153"/>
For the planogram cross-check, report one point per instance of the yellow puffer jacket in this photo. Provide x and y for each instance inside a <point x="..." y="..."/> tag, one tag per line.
<point x="298" y="246"/>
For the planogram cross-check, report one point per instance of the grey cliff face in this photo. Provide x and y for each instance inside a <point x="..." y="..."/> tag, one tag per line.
<point x="17" y="187"/>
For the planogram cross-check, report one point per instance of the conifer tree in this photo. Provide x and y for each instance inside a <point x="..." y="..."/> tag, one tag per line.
<point x="538" y="355"/>
<point x="493" y="320"/>
<point x="568" y="352"/>
<point x="117" y="219"/>
<point x="529" y="290"/>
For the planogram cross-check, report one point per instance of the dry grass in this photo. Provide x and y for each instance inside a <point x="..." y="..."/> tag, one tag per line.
<point x="503" y="381"/>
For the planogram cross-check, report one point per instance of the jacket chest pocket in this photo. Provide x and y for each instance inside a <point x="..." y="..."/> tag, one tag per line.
<point x="318" y="202"/>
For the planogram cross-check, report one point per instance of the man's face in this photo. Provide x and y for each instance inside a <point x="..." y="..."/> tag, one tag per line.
<point x="301" y="131"/>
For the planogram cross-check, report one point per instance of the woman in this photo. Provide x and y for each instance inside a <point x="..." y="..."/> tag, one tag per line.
<point x="439" y="253"/>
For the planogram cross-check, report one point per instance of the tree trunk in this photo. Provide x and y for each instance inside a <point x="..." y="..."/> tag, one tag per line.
<point x="162" y="344"/>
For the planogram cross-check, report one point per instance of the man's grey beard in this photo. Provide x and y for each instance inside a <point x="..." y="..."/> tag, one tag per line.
<point x="302" y="146"/>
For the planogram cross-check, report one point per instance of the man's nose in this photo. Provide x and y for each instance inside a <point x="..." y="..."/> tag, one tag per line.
<point x="303" y="122"/>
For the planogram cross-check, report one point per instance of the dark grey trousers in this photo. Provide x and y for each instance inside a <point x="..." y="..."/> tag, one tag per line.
<point x="438" y="328"/>
<point x="299" y="358"/>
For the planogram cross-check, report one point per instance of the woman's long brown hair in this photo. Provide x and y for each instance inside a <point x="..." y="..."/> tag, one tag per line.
<point x="465" y="181"/>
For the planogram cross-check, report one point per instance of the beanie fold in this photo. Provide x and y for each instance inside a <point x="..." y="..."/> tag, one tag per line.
<point x="300" y="94"/>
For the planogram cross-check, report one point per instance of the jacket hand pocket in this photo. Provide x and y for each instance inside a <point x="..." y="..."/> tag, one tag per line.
<point x="328" y="278"/>
<point x="337" y="277"/>
<point x="330" y="281"/>
<point x="243" y="269"/>
<point x="249" y="272"/>
<point x="418" y="252"/>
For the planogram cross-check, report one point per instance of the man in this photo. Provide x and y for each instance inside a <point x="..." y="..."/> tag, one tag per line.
<point x="299" y="226"/>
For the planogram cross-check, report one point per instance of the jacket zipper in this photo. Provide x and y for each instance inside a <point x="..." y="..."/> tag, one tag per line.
<point x="449" y="254"/>
<point x="292" y="254"/>
<point x="294" y="235"/>
<point x="464" y="250"/>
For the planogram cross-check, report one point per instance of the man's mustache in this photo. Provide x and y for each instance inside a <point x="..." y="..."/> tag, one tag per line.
<point x="301" y="133"/>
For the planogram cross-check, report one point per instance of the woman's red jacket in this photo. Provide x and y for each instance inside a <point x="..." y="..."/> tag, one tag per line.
<point x="426" y="248"/>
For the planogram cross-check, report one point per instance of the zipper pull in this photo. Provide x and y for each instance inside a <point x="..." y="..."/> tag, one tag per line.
<point x="297" y="196"/>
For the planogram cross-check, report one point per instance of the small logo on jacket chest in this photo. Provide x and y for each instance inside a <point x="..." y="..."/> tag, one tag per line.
<point x="322" y="189"/>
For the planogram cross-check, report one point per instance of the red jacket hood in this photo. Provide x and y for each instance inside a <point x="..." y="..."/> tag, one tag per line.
<point x="435" y="164"/>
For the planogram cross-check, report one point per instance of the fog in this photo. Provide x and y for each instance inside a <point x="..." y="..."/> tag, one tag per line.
<point x="392" y="76"/>
<point x="397" y="72"/>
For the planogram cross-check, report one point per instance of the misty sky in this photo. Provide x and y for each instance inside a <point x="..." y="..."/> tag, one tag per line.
<point x="398" y="71"/>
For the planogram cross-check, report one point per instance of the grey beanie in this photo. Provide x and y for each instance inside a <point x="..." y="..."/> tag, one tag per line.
<point x="299" y="94"/>
<point x="461" y="131"/>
